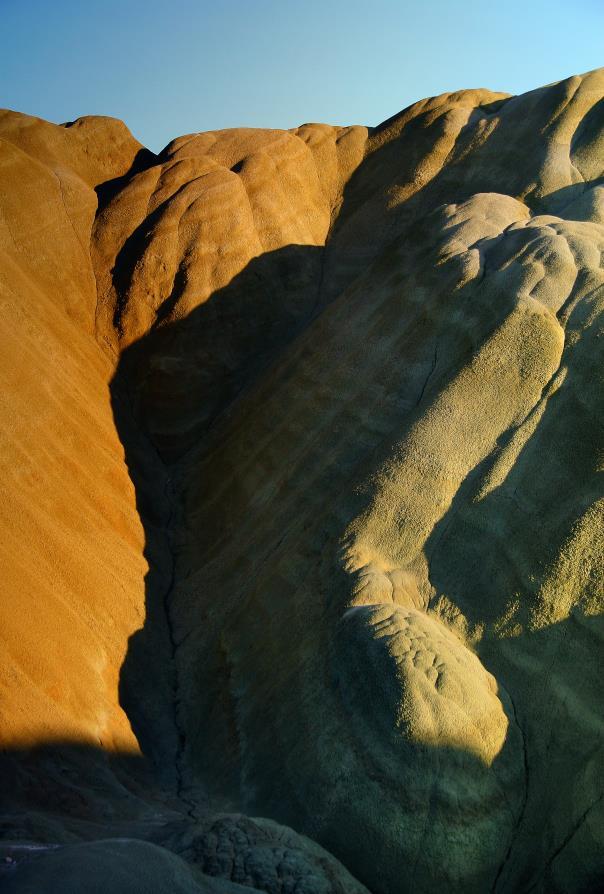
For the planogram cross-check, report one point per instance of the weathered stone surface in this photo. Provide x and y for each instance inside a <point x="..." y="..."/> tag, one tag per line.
<point x="72" y="542"/>
<point x="259" y="854"/>
<point x="357" y="376"/>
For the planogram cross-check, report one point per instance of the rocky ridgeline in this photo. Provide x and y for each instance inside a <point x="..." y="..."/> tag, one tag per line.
<point x="301" y="503"/>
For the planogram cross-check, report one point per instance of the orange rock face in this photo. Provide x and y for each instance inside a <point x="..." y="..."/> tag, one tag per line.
<point x="72" y="542"/>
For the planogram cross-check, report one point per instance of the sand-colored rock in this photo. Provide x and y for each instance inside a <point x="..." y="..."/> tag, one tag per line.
<point x="230" y="225"/>
<point x="357" y="380"/>
<point x="72" y="542"/>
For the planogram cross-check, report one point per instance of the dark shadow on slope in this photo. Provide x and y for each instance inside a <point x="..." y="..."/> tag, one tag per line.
<point x="168" y="389"/>
<point x="572" y="202"/>
<point x="551" y="484"/>
<point x="109" y="189"/>
<point x="393" y="187"/>
<point x="584" y="139"/>
<point x="491" y="555"/>
<point x="148" y="689"/>
<point x="174" y="384"/>
<point x="58" y="792"/>
<point x="183" y="374"/>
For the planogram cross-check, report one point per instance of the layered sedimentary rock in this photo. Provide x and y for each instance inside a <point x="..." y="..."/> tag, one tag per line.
<point x="72" y="544"/>
<point x="304" y="501"/>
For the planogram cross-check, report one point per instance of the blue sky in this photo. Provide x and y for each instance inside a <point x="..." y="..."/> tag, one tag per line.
<point x="168" y="68"/>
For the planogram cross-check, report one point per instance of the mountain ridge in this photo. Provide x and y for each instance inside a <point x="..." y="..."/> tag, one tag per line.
<point x="294" y="500"/>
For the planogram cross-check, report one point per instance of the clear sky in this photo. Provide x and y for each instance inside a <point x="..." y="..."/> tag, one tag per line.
<point x="168" y="68"/>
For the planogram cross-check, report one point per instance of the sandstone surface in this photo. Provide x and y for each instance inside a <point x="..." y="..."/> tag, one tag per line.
<point x="302" y="504"/>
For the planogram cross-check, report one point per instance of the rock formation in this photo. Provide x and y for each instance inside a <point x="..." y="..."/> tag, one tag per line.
<point x="302" y="503"/>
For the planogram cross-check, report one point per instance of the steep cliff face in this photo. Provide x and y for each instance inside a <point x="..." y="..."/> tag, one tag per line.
<point x="72" y="544"/>
<point x="353" y="580"/>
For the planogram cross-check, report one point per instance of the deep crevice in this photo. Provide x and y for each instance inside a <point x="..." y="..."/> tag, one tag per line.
<point x="522" y="813"/>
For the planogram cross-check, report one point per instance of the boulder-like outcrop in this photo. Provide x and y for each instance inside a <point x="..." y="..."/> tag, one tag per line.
<point x="302" y="502"/>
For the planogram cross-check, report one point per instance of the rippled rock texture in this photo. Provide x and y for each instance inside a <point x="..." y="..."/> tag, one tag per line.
<point x="302" y="502"/>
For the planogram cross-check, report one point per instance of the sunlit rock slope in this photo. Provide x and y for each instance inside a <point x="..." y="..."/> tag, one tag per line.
<point x="302" y="502"/>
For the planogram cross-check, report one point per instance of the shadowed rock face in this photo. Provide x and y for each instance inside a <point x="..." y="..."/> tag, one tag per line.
<point x="302" y="501"/>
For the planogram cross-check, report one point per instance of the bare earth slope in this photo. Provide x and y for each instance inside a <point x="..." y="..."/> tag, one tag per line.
<point x="302" y="502"/>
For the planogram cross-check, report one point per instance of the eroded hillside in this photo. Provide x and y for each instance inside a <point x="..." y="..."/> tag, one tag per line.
<point x="302" y="502"/>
